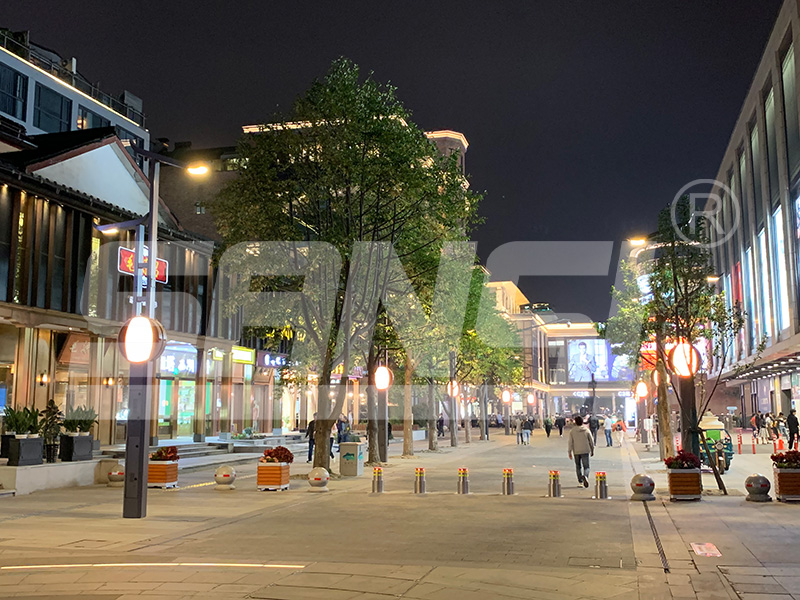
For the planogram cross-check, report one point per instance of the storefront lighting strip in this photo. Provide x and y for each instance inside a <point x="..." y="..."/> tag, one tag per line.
<point x="163" y="564"/>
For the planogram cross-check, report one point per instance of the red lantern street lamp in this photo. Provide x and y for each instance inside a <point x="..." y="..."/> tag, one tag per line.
<point x="684" y="359"/>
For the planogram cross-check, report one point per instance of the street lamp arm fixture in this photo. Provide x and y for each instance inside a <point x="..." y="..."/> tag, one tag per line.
<point x="114" y="228"/>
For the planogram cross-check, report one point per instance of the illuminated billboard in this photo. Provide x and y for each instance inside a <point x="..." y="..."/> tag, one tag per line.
<point x="593" y="356"/>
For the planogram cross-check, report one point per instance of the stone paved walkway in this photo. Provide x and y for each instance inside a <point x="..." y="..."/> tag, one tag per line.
<point x="351" y="544"/>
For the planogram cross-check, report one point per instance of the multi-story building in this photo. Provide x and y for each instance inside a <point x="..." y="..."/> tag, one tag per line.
<point x="45" y="93"/>
<point x="758" y="244"/>
<point x="568" y="368"/>
<point x="65" y="288"/>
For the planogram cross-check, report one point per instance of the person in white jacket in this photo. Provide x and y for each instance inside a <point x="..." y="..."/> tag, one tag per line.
<point x="581" y="446"/>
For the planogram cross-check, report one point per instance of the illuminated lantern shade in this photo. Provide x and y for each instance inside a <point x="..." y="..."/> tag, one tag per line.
<point x="530" y="399"/>
<point x="452" y="388"/>
<point x="383" y="378"/>
<point x="641" y="390"/>
<point x="142" y="339"/>
<point x="506" y="396"/>
<point x="684" y="359"/>
<point x="655" y="377"/>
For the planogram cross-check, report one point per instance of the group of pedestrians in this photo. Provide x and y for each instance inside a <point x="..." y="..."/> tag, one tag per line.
<point x="339" y="432"/>
<point x="768" y="427"/>
<point x="523" y="427"/>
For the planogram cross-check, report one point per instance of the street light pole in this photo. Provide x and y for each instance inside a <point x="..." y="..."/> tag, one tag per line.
<point x="139" y="437"/>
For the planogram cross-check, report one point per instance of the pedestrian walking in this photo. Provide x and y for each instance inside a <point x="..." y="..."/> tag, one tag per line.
<point x="527" y="430"/>
<point x="620" y="428"/>
<point x="580" y="446"/>
<point x="310" y="436"/>
<point x="608" y="425"/>
<point x="334" y="432"/>
<point x="518" y="430"/>
<point x="561" y="422"/>
<point x="594" y="425"/>
<point x="782" y="426"/>
<point x="548" y="425"/>
<point x="440" y="426"/>
<point x="774" y="426"/>
<point x="763" y="432"/>
<point x="794" y="429"/>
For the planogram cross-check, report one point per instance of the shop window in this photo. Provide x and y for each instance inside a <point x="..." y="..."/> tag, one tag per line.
<point x="766" y="312"/>
<point x="51" y="110"/>
<point x="755" y="169"/>
<point x="779" y="274"/>
<point x="13" y="92"/>
<point x="88" y="119"/>
<point x="772" y="148"/>
<point x="788" y="77"/>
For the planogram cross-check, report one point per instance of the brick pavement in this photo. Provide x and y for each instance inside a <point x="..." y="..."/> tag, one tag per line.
<point x="351" y="544"/>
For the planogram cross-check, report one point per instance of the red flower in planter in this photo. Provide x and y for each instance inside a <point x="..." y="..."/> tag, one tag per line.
<point x="682" y="460"/>
<point x="165" y="453"/>
<point x="279" y="454"/>
<point x="787" y="460"/>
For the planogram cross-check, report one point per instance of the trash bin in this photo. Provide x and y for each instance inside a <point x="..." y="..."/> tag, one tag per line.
<point x="351" y="459"/>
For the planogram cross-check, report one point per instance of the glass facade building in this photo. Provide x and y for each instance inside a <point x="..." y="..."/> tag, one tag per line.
<point x="758" y="264"/>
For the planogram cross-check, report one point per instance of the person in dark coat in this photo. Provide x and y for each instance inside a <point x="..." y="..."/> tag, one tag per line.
<point x="440" y="426"/>
<point x="548" y="425"/>
<point x="794" y="429"/>
<point x="561" y="422"/>
<point x="594" y="425"/>
<point x="310" y="436"/>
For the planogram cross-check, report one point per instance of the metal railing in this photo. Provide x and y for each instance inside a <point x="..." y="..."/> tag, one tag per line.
<point x="33" y="56"/>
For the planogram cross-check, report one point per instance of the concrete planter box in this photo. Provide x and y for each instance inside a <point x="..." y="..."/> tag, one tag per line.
<point x="25" y="452"/>
<point x="685" y="484"/>
<point x="272" y="477"/>
<point x="162" y="473"/>
<point x="75" y="448"/>
<point x="787" y="484"/>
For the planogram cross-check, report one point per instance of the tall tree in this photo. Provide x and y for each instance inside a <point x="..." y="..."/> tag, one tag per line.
<point x="345" y="165"/>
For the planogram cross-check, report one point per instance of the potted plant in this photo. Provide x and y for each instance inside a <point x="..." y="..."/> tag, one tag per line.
<point x="273" y="469"/>
<point x="13" y="421"/>
<point x="786" y="473"/>
<point x="684" y="477"/>
<point x="162" y="470"/>
<point x="26" y="447"/>
<point x="52" y="418"/>
<point x="74" y="446"/>
<point x="33" y="421"/>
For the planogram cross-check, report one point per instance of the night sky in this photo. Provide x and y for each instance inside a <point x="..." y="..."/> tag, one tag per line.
<point x="584" y="118"/>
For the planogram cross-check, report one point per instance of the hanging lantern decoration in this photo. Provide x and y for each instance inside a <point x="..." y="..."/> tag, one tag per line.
<point x="684" y="359"/>
<point x="142" y="339"/>
<point x="506" y="396"/>
<point x="452" y="389"/>
<point x="531" y="399"/>
<point x="383" y="378"/>
<point x="641" y="390"/>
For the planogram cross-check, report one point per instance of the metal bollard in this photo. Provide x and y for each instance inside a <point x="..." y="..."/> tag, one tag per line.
<point x="642" y="486"/>
<point x="419" y="480"/>
<point x="600" y="486"/>
<point x="758" y="488"/>
<point x="508" y="482"/>
<point x="463" y="480"/>
<point x="377" y="480"/>
<point x="554" y="485"/>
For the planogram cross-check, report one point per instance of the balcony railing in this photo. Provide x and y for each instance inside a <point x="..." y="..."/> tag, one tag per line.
<point x="54" y="68"/>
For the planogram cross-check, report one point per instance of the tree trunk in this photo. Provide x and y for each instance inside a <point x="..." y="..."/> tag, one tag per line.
<point x="373" y="454"/>
<point x="666" y="447"/>
<point x="433" y="442"/>
<point x="467" y="423"/>
<point x="690" y="441"/>
<point x="453" y="404"/>
<point x="408" y="414"/>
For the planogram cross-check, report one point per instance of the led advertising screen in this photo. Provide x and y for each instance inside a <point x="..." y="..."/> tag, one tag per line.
<point x="593" y="356"/>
